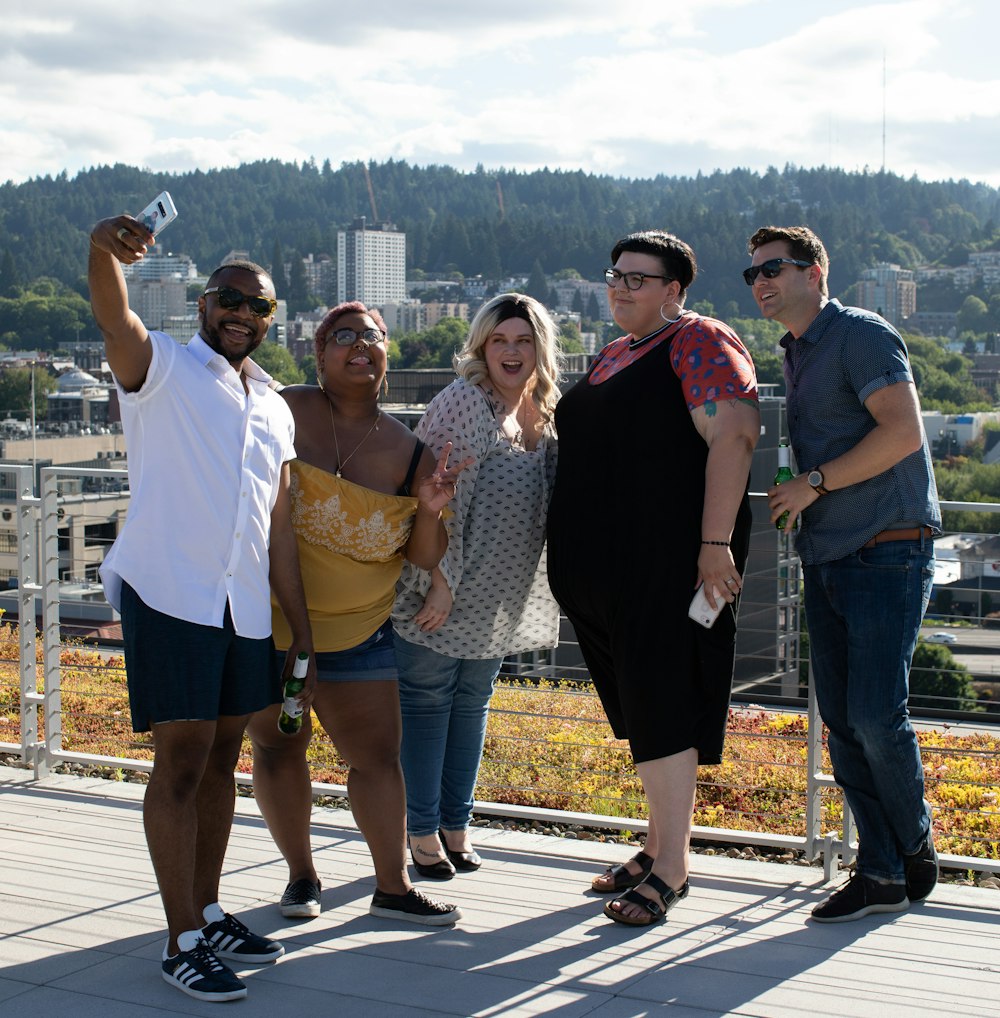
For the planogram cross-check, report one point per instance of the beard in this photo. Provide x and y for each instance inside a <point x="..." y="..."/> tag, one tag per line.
<point x="236" y="355"/>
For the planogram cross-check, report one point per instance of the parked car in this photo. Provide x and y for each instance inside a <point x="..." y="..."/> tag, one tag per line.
<point x="941" y="638"/>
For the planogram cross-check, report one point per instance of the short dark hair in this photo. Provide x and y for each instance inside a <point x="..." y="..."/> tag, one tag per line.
<point x="240" y="263"/>
<point x="675" y="256"/>
<point x="802" y="244"/>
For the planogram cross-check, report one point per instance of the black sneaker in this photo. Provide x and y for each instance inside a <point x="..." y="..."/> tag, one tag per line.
<point x="413" y="907"/>
<point x="232" y="941"/>
<point x="859" y="897"/>
<point x="301" y="899"/>
<point x="921" y="871"/>
<point x="198" y="973"/>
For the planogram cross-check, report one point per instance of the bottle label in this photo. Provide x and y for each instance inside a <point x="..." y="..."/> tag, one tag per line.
<point x="292" y="707"/>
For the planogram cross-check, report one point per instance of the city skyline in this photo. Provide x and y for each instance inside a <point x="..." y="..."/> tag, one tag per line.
<point x="568" y="84"/>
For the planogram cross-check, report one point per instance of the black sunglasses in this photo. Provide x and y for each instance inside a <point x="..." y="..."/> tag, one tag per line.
<point x="348" y="337"/>
<point x="231" y="299"/>
<point x="771" y="268"/>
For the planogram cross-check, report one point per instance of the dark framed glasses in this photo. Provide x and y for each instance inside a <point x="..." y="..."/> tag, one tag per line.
<point x="230" y="298"/>
<point x="348" y="337"/>
<point x="771" y="268"/>
<point x="633" y="280"/>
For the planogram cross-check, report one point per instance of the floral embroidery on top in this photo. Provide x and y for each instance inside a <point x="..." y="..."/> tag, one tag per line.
<point x="327" y="523"/>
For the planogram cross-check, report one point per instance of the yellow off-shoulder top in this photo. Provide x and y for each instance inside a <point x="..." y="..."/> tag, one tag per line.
<point x="350" y="542"/>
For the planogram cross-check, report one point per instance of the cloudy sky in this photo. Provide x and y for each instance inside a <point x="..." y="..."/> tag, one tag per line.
<point x="630" y="88"/>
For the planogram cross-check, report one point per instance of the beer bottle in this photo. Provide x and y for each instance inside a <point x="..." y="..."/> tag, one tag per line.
<point x="784" y="474"/>
<point x="290" y="719"/>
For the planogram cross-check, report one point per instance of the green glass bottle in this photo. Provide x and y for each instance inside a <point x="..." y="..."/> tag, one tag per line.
<point x="290" y="718"/>
<point x="784" y="474"/>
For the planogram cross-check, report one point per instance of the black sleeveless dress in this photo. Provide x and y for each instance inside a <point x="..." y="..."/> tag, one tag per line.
<point x="624" y="535"/>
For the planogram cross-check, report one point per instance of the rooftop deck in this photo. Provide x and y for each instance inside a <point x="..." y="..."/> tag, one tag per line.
<point x="81" y="930"/>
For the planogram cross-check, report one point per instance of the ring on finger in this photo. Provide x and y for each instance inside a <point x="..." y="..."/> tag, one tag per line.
<point x="122" y="233"/>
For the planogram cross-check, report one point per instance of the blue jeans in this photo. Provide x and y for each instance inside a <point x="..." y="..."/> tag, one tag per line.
<point x="864" y="613"/>
<point x="444" y="703"/>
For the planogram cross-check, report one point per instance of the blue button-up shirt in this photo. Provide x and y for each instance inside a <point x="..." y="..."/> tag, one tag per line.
<point x="844" y="356"/>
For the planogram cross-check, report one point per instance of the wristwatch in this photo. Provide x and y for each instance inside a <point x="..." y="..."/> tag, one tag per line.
<point x="815" y="479"/>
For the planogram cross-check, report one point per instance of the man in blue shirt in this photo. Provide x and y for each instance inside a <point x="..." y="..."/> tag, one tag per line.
<point x="869" y="511"/>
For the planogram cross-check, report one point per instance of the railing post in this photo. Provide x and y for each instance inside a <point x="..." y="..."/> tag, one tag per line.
<point x="28" y="588"/>
<point x="814" y="778"/>
<point x="50" y="612"/>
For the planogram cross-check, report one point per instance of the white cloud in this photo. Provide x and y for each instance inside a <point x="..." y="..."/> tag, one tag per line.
<point x="568" y="83"/>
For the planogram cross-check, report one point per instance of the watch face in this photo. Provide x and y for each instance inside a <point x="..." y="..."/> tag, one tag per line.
<point x="815" y="478"/>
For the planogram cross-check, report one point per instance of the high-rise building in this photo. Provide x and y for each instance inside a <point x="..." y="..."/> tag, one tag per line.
<point x="371" y="263"/>
<point x="888" y="290"/>
<point x="156" y="300"/>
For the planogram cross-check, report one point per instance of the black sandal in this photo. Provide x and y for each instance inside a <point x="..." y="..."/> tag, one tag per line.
<point x="655" y="912"/>
<point x="621" y="878"/>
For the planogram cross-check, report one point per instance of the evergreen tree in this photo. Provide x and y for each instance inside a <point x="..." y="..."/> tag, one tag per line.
<point x="10" y="281"/>
<point x="299" y="298"/>
<point x="537" y="285"/>
<point x="278" y="272"/>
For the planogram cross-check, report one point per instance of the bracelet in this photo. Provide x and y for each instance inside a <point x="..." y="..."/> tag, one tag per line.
<point x="722" y="544"/>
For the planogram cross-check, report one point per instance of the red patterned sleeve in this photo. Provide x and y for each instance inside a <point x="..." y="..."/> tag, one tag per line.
<point x="713" y="364"/>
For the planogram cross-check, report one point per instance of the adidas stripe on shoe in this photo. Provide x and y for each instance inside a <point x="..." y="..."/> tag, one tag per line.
<point x="198" y="973"/>
<point x="232" y="941"/>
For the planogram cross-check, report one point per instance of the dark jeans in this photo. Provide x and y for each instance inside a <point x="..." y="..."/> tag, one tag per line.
<point x="864" y="613"/>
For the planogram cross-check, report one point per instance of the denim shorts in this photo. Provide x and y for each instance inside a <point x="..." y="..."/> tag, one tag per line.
<point x="183" y="671"/>
<point x="372" y="660"/>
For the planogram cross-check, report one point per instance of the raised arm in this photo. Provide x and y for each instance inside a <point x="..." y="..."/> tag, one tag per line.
<point x="126" y="340"/>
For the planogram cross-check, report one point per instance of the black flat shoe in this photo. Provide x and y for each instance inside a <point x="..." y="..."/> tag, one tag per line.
<point x="440" y="869"/>
<point x="465" y="862"/>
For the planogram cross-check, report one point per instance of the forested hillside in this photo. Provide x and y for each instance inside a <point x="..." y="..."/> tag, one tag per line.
<point x="501" y="222"/>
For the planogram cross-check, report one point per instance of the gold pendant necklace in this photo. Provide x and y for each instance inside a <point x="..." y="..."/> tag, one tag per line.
<point x="343" y="463"/>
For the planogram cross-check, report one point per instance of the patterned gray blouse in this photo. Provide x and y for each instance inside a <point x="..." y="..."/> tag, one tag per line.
<point x="495" y="562"/>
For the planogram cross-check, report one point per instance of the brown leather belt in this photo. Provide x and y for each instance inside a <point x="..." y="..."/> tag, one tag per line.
<point x="913" y="534"/>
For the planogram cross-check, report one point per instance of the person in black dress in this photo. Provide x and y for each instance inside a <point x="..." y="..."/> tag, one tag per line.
<point x="650" y="500"/>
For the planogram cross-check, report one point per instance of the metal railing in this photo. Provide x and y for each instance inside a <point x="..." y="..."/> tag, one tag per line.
<point x="768" y="686"/>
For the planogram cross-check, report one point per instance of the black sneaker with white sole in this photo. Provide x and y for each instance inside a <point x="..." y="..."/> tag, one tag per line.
<point x="301" y="899"/>
<point x="198" y="973"/>
<point x="413" y="907"/>
<point x="859" y="897"/>
<point x="232" y="941"/>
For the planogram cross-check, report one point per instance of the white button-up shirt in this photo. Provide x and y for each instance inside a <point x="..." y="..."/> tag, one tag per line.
<point x="204" y="464"/>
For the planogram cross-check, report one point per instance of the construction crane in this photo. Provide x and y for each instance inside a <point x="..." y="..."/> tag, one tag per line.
<point x="371" y="192"/>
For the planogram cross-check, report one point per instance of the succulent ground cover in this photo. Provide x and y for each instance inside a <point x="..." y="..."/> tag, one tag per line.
<point x="549" y="745"/>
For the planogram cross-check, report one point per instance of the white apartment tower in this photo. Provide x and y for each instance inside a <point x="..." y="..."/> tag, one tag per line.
<point x="371" y="263"/>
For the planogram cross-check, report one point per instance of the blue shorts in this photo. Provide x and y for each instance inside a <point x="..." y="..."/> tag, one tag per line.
<point x="183" y="671"/>
<point x="372" y="660"/>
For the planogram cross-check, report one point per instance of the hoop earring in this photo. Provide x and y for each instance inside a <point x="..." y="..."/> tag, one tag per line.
<point x="670" y="321"/>
<point x="385" y="386"/>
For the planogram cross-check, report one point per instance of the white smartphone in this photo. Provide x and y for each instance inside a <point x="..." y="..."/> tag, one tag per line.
<point x="158" y="213"/>
<point x="701" y="611"/>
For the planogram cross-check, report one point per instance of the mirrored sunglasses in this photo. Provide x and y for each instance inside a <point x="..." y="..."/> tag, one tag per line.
<point x="231" y="299"/>
<point x="348" y="337"/>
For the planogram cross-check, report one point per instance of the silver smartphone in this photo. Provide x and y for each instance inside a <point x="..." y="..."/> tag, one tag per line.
<point x="158" y="213"/>
<point x="701" y="611"/>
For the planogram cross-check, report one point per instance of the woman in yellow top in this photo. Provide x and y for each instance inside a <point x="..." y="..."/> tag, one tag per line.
<point x="365" y="495"/>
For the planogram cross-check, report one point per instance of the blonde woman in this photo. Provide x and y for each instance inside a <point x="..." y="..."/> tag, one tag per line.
<point x="488" y="597"/>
